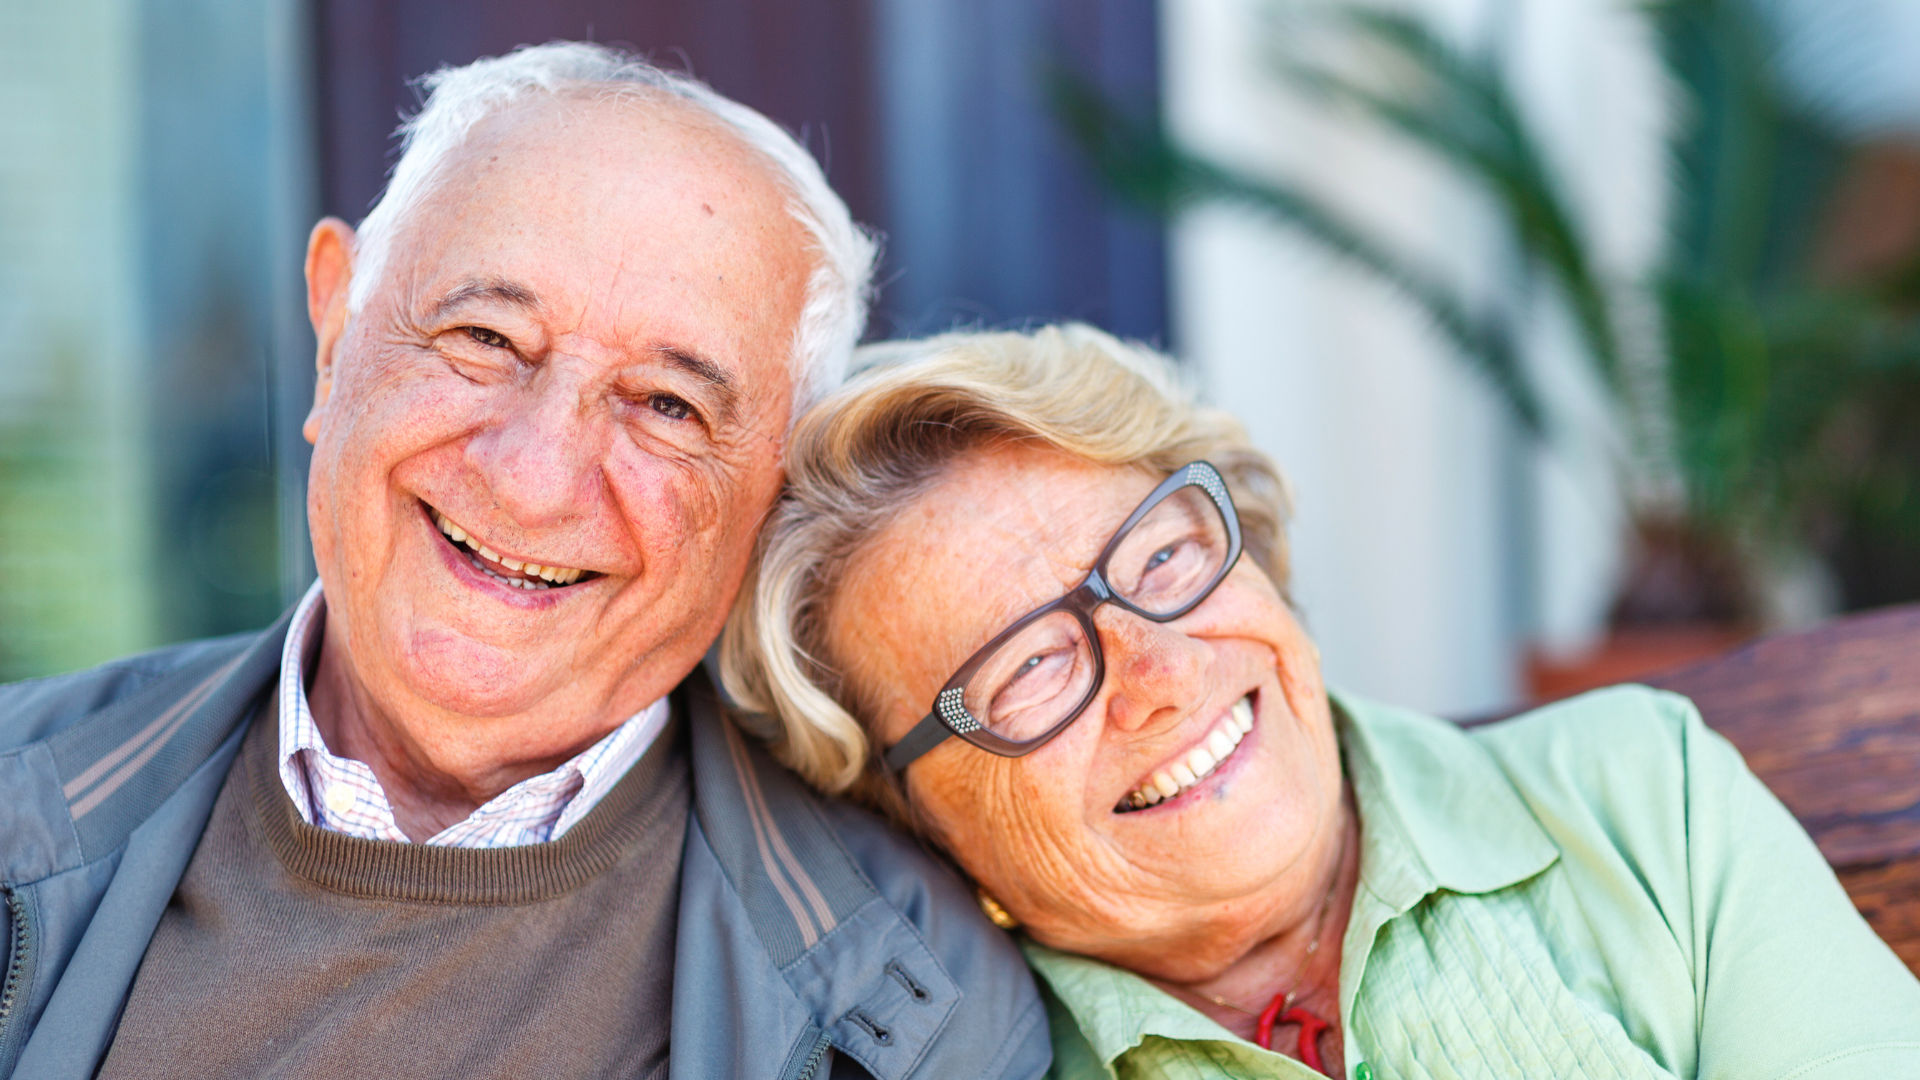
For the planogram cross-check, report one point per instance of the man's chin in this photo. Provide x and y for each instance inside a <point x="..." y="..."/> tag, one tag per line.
<point x="473" y="678"/>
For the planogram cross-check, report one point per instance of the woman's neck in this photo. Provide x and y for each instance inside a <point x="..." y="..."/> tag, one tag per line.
<point x="1302" y="960"/>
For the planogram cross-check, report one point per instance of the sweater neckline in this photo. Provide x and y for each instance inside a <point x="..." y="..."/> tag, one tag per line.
<point x="430" y="874"/>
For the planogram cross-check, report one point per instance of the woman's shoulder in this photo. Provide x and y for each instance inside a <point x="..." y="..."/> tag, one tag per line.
<point x="1622" y="776"/>
<point x="1624" y="734"/>
<point x="1610" y="746"/>
<point x="1630" y="763"/>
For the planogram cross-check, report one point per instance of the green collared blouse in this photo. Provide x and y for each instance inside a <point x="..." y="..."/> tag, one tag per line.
<point x="1597" y="889"/>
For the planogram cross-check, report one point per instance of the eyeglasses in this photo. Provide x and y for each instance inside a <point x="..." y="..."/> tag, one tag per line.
<point x="1038" y="675"/>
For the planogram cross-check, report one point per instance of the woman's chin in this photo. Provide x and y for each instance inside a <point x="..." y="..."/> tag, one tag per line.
<point x="1247" y="829"/>
<point x="1175" y="939"/>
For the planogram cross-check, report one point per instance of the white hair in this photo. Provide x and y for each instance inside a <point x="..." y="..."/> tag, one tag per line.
<point x="835" y="313"/>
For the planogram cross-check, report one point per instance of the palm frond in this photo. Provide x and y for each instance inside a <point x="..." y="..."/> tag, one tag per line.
<point x="1458" y="107"/>
<point x="1141" y="163"/>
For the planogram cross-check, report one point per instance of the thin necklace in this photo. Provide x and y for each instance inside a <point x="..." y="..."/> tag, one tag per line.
<point x="1319" y="929"/>
<point x="1281" y="1010"/>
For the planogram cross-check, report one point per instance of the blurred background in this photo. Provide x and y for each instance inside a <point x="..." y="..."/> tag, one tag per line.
<point x="1583" y="328"/>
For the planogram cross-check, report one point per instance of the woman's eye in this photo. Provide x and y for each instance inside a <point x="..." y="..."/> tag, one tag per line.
<point x="1157" y="567"/>
<point x="491" y="338"/>
<point x="1034" y="680"/>
<point x="671" y="407"/>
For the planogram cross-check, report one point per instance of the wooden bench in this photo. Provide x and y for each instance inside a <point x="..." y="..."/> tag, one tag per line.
<point x="1829" y="718"/>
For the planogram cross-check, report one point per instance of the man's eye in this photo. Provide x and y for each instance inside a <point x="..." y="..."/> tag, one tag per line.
<point x="492" y="338"/>
<point x="671" y="407"/>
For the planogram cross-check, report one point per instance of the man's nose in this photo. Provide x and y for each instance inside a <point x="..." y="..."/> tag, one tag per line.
<point x="1155" y="672"/>
<point x="540" y="461"/>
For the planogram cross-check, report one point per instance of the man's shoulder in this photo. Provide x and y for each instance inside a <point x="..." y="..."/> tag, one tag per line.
<point x="35" y="709"/>
<point x="870" y="936"/>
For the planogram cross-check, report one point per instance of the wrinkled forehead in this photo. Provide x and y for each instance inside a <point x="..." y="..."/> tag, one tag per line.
<point x="999" y="533"/>
<point x="587" y="189"/>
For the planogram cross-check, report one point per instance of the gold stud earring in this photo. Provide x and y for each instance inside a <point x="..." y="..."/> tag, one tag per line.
<point x="996" y="914"/>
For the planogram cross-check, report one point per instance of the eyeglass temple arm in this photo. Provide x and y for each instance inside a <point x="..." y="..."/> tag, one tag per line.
<point x="930" y="732"/>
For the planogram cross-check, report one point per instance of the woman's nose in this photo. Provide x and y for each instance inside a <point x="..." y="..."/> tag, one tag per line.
<point x="1155" y="673"/>
<point x="539" y="462"/>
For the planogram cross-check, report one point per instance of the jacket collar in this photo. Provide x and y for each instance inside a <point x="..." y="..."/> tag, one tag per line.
<point x="855" y="963"/>
<point x="120" y="763"/>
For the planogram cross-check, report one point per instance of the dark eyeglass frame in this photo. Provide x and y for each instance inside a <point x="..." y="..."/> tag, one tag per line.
<point x="950" y="716"/>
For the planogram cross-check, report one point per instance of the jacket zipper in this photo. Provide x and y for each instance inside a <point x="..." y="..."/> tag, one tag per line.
<point x="13" y="990"/>
<point x="812" y="1062"/>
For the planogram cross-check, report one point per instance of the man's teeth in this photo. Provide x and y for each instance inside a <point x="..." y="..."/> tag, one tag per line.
<point x="1199" y="762"/>
<point x="549" y="576"/>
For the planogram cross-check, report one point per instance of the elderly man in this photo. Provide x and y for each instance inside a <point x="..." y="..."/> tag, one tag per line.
<point x="471" y="809"/>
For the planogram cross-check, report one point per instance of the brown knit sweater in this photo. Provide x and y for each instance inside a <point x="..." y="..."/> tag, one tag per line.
<point x="291" y="951"/>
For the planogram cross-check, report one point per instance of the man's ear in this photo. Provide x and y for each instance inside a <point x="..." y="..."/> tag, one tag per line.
<point x="329" y="273"/>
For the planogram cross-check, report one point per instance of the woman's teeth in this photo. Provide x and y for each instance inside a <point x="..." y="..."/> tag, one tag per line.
<point x="529" y="576"/>
<point x="1198" y="763"/>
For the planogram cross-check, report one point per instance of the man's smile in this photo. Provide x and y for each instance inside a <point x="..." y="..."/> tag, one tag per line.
<point x="516" y="573"/>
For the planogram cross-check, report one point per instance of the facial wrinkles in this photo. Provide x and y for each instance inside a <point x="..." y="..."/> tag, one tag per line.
<point x="1163" y="689"/>
<point x="395" y="388"/>
<point x="1040" y="561"/>
<point x="1041" y="828"/>
<point x="517" y="469"/>
<point x="540" y="459"/>
<point x="1046" y="860"/>
<point x="648" y="498"/>
<point x="1039" y="552"/>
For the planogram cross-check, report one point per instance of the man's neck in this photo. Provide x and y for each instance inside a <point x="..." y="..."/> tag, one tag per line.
<point x="429" y="774"/>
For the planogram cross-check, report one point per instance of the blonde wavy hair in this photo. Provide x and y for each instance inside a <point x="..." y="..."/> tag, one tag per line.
<point x="877" y="443"/>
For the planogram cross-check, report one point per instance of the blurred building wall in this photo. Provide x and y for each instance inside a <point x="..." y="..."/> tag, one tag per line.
<point x="1432" y="543"/>
<point x="206" y="233"/>
<point x="74" y="511"/>
<point x="138" y="499"/>
<point x="806" y="63"/>
<point x="990" y="214"/>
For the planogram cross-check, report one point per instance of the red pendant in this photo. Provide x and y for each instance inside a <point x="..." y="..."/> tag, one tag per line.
<point x="1310" y="1028"/>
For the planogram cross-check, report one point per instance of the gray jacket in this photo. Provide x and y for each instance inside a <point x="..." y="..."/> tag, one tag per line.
<point x="812" y="939"/>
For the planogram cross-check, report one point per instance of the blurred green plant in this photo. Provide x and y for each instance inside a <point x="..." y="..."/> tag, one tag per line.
<point x="1788" y="407"/>
<point x="70" y="591"/>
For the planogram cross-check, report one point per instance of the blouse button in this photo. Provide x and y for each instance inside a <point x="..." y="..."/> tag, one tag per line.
<point x="1364" y="1072"/>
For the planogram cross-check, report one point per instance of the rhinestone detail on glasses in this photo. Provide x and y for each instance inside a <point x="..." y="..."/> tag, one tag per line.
<point x="949" y="703"/>
<point x="1208" y="479"/>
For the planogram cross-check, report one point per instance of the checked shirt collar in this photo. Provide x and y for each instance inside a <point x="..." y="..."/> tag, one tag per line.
<point x="342" y="795"/>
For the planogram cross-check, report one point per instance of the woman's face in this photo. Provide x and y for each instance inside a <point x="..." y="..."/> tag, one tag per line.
<point x="1181" y="888"/>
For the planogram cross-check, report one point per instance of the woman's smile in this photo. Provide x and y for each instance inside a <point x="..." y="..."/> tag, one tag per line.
<point x="1184" y="772"/>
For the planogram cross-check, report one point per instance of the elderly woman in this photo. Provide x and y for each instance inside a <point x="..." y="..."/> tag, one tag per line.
<point x="1029" y="601"/>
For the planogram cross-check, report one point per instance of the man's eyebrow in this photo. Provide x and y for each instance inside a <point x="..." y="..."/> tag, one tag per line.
<point x="495" y="289"/>
<point x="706" y="371"/>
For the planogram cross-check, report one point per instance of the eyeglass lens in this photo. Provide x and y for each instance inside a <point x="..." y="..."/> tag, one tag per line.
<point x="1042" y="674"/>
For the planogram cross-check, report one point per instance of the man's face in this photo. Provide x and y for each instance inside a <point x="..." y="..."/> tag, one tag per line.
<point x="578" y="355"/>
